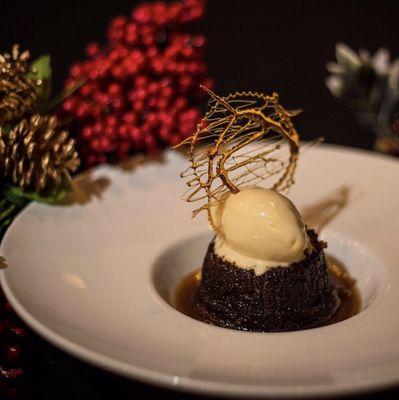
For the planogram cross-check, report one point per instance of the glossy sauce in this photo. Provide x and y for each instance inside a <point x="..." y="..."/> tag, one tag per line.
<point x="348" y="293"/>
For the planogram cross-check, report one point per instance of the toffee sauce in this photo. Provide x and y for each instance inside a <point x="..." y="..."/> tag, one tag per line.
<point x="347" y="291"/>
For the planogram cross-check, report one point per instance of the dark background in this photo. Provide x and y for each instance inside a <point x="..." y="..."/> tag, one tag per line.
<point x="263" y="45"/>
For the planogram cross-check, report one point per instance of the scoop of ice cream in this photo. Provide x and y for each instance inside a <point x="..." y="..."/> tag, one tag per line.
<point x="260" y="228"/>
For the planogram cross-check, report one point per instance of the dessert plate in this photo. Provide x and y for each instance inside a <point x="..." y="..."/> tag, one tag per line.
<point x="96" y="278"/>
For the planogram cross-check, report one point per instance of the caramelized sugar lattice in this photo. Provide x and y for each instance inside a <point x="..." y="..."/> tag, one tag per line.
<point x="243" y="139"/>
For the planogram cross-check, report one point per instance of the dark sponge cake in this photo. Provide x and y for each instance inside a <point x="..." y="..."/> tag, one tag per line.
<point x="297" y="296"/>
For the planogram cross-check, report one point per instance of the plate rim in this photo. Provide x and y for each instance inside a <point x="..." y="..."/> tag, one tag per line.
<point x="188" y="384"/>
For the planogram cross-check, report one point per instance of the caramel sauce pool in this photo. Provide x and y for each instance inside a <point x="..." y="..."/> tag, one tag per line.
<point x="347" y="291"/>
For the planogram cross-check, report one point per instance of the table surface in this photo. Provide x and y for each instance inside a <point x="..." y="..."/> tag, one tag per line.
<point x="52" y="374"/>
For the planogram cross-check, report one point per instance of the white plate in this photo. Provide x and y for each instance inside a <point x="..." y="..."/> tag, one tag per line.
<point x="92" y="279"/>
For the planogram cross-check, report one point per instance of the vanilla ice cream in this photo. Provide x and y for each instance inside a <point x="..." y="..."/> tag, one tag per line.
<point x="259" y="229"/>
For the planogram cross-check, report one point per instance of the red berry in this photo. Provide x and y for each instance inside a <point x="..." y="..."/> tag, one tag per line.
<point x="142" y="14"/>
<point x="114" y="89"/>
<point x="136" y="136"/>
<point x="87" y="132"/>
<point x="141" y="80"/>
<point x="150" y="144"/>
<point x="95" y="145"/>
<point x="117" y="71"/>
<point x="208" y="83"/>
<point x="98" y="127"/>
<point x="166" y="119"/>
<point x="18" y="332"/>
<point x="92" y="49"/>
<point x="164" y="133"/>
<point x="199" y="41"/>
<point x="123" y="131"/>
<point x="129" y="118"/>
<point x="175" y="139"/>
<point x="68" y="104"/>
<point x="162" y="103"/>
<point x="111" y="120"/>
<point x="85" y="90"/>
<point x="75" y="70"/>
<point x="180" y="103"/>
<point x="138" y="106"/>
<point x="12" y="354"/>
<point x="158" y="66"/>
<point x="105" y="143"/>
<point x="119" y="21"/>
<point x="117" y="104"/>
<point x="115" y="35"/>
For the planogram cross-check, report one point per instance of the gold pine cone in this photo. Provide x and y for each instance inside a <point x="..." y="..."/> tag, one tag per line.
<point x="35" y="156"/>
<point x="18" y="93"/>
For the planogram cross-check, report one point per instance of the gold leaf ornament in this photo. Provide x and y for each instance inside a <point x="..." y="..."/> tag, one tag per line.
<point x="243" y="139"/>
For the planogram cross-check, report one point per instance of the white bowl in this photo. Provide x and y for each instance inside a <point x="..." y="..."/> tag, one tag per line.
<point x="96" y="279"/>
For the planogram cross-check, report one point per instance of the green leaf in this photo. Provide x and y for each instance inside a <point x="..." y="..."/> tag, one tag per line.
<point x="8" y="212"/>
<point x="12" y="196"/>
<point x="58" y="99"/>
<point x="41" y="69"/>
<point x="17" y="196"/>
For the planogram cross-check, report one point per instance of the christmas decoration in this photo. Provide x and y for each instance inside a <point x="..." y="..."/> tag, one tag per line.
<point x="18" y="92"/>
<point x="141" y="89"/>
<point x="33" y="155"/>
<point x="36" y="158"/>
<point x="369" y="87"/>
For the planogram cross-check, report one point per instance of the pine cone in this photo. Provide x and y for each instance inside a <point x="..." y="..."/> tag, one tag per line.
<point x="17" y="92"/>
<point x="34" y="156"/>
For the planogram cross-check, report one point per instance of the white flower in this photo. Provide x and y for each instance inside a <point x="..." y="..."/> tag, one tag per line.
<point x="335" y="84"/>
<point x="381" y="61"/>
<point x="367" y="84"/>
<point x="346" y="56"/>
<point x="349" y="61"/>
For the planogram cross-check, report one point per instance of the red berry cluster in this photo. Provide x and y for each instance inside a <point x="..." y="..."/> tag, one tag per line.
<point x="12" y="335"/>
<point x="141" y="90"/>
